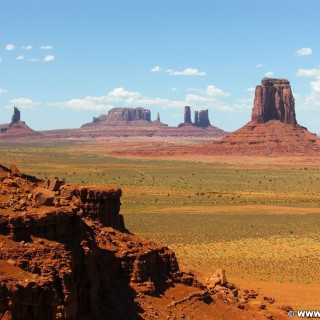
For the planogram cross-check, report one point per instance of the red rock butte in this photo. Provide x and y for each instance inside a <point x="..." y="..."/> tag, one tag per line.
<point x="273" y="129"/>
<point x="274" y="101"/>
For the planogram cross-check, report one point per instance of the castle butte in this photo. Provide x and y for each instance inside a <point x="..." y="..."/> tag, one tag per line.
<point x="65" y="254"/>
<point x="273" y="129"/>
<point x="17" y="129"/>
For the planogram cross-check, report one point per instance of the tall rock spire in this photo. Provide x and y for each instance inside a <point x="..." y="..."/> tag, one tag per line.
<point x="274" y="101"/>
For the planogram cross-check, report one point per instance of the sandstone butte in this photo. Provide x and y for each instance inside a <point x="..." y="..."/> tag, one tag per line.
<point x="65" y="254"/>
<point x="273" y="129"/>
<point x="17" y="129"/>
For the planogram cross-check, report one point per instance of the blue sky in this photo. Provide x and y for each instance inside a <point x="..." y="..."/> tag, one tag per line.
<point x="64" y="61"/>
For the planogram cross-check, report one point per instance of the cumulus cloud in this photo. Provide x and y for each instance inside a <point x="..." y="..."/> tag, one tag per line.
<point x="10" y="47"/>
<point x="269" y="74"/>
<point x="308" y="72"/>
<point x="21" y="57"/>
<point x="251" y="89"/>
<point x="28" y="47"/>
<point x="3" y="90"/>
<point x="49" y="58"/>
<point x="259" y="65"/>
<point x="186" y="72"/>
<point x="47" y="47"/>
<point x="210" y="97"/>
<point x="213" y="91"/>
<point x="304" y="52"/>
<point x="23" y="103"/>
<point x="312" y="100"/>
<point x="121" y="92"/>
<point x="156" y="69"/>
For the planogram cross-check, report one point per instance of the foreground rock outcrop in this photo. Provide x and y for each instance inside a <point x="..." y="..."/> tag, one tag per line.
<point x="65" y="254"/>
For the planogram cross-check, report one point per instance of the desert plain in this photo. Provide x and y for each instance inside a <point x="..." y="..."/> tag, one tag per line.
<point x="256" y="217"/>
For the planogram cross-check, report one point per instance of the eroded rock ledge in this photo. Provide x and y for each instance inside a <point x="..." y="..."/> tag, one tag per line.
<point x="65" y="253"/>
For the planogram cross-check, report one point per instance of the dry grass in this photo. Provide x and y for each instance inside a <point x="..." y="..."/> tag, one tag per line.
<point x="259" y="221"/>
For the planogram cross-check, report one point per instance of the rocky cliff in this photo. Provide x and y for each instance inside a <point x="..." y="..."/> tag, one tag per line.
<point x="274" y="101"/>
<point x="65" y="253"/>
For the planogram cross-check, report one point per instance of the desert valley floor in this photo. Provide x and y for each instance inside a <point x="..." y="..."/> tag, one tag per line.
<point x="256" y="217"/>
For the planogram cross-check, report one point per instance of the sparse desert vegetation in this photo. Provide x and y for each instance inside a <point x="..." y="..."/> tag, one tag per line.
<point x="257" y="221"/>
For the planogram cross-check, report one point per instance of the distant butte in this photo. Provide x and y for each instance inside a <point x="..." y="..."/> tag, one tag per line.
<point x="17" y="129"/>
<point x="137" y="122"/>
<point x="274" y="101"/>
<point x="273" y="129"/>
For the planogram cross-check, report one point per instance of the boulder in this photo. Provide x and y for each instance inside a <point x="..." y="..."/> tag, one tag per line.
<point x="43" y="197"/>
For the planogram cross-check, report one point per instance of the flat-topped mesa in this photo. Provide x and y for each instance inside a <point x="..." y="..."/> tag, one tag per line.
<point x="16" y="116"/>
<point x="125" y="114"/>
<point x="274" y="101"/>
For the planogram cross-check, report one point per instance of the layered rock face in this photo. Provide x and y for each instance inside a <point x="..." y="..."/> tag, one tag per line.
<point x="125" y="114"/>
<point x="274" y="101"/>
<point x="65" y="253"/>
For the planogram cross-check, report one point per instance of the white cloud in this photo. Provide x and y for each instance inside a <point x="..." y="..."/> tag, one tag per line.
<point x="208" y="98"/>
<point x="0" y="59"/>
<point x="82" y="104"/>
<point x="23" y="103"/>
<point x="10" y="47"/>
<point x="213" y="91"/>
<point x="33" y="60"/>
<point x="48" y="47"/>
<point x="20" y="57"/>
<point x="259" y="65"/>
<point x="121" y="92"/>
<point x="28" y="47"/>
<point x="304" y="52"/>
<point x="156" y="69"/>
<point x="49" y="58"/>
<point x="175" y="89"/>
<point x="269" y="74"/>
<point x="308" y="72"/>
<point x="251" y="89"/>
<point x="3" y="90"/>
<point x="186" y="72"/>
